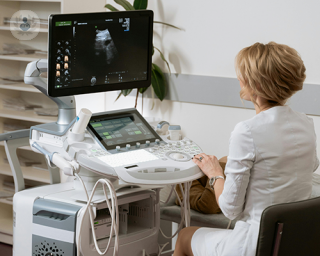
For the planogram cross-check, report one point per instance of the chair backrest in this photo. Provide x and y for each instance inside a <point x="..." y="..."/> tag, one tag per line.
<point x="290" y="229"/>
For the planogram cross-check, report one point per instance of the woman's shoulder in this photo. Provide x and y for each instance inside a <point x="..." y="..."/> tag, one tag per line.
<point x="276" y="116"/>
<point x="241" y="131"/>
<point x="303" y="117"/>
<point x="278" y="113"/>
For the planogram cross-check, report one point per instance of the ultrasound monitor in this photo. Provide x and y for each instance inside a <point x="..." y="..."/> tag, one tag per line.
<point x="99" y="52"/>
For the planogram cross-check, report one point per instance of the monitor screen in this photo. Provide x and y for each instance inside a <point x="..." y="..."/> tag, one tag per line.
<point x="121" y="128"/>
<point x="98" y="52"/>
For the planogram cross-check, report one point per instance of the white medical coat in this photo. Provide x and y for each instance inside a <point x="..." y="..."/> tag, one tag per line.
<point x="271" y="160"/>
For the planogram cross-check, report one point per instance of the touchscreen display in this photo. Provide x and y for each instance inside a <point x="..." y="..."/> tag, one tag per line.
<point x="121" y="130"/>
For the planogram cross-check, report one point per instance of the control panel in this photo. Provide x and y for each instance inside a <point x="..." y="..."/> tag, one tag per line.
<point x="122" y="144"/>
<point x="142" y="156"/>
<point x="158" y="162"/>
<point x="181" y="151"/>
<point x="136" y="153"/>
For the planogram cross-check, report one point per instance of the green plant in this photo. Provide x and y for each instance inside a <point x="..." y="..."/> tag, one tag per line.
<point x="158" y="81"/>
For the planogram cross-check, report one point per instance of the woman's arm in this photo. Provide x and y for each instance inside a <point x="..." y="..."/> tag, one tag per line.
<point x="231" y="193"/>
<point x="211" y="167"/>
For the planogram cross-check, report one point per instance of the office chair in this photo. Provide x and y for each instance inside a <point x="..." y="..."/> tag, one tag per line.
<point x="290" y="229"/>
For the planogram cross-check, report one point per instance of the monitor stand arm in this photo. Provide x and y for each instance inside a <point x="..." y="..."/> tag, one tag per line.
<point x="66" y="105"/>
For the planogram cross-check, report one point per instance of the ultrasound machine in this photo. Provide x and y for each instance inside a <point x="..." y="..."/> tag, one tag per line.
<point x="117" y="162"/>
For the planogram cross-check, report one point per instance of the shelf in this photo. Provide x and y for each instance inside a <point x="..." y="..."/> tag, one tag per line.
<point x="7" y="27"/>
<point x="24" y="57"/>
<point x="15" y="65"/>
<point x="5" y="201"/>
<point x="20" y="87"/>
<point x="26" y="115"/>
<point x="6" y="223"/>
<point x="24" y="147"/>
<point x="6" y="226"/>
<point x="6" y="239"/>
<point x="29" y="173"/>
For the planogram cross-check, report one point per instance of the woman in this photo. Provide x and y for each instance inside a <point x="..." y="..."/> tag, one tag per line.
<point x="271" y="156"/>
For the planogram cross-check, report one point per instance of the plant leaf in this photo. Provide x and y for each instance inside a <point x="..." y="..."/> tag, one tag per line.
<point x="125" y="4"/>
<point x="167" y="24"/>
<point x="140" y="4"/>
<point x="126" y="92"/>
<point x="163" y="58"/>
<point x="158" y="82"/>
<point x="152" y="96"/>
<point x="118" y="96"/>
<point x="111" y="8"/>
<point x="143" y="89"/>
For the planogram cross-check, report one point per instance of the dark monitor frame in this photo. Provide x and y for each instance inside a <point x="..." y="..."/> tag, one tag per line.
<point x="97" y="88"/>
<point x="120" y="114"/>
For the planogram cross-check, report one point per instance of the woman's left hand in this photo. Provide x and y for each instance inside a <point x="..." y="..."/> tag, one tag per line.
<point x="208" y="164"/>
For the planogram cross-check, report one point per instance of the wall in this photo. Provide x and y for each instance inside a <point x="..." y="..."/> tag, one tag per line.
<point x="213" y="32"/>
<point x="77" y="6"/>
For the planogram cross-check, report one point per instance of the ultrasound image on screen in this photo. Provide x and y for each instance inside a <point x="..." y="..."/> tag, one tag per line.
<point x="110" y="53"/>
<point x="105" y="47"/>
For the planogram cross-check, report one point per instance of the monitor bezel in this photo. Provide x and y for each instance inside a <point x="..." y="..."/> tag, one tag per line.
<point x="123" y="113"/>
<point x="52" y="92"/>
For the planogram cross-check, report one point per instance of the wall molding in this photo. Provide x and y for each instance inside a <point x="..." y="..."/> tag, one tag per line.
<point x="223" y="91"/>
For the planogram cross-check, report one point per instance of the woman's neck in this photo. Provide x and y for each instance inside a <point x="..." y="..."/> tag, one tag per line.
<point x="261" y="105"/>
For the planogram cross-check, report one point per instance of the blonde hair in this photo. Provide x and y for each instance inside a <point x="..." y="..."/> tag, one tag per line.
<point x="272" y="71"/>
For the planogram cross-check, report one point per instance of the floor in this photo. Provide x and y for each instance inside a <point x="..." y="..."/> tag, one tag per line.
<point x="6" y="250"/>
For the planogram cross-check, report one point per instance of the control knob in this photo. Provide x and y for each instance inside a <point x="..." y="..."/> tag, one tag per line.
<point x="147" y="143"/>
<point x="138" y="145"/>
<point x="128" y="146"/>
<point x="157" y="141"/>
<point x="118" y="148"/>
<point x="93" y="80"/>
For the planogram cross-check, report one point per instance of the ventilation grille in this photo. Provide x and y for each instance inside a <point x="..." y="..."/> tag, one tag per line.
<point x="123" y="216"/>
<point x="139" y="211"/>
<point x="48" y="249"/>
